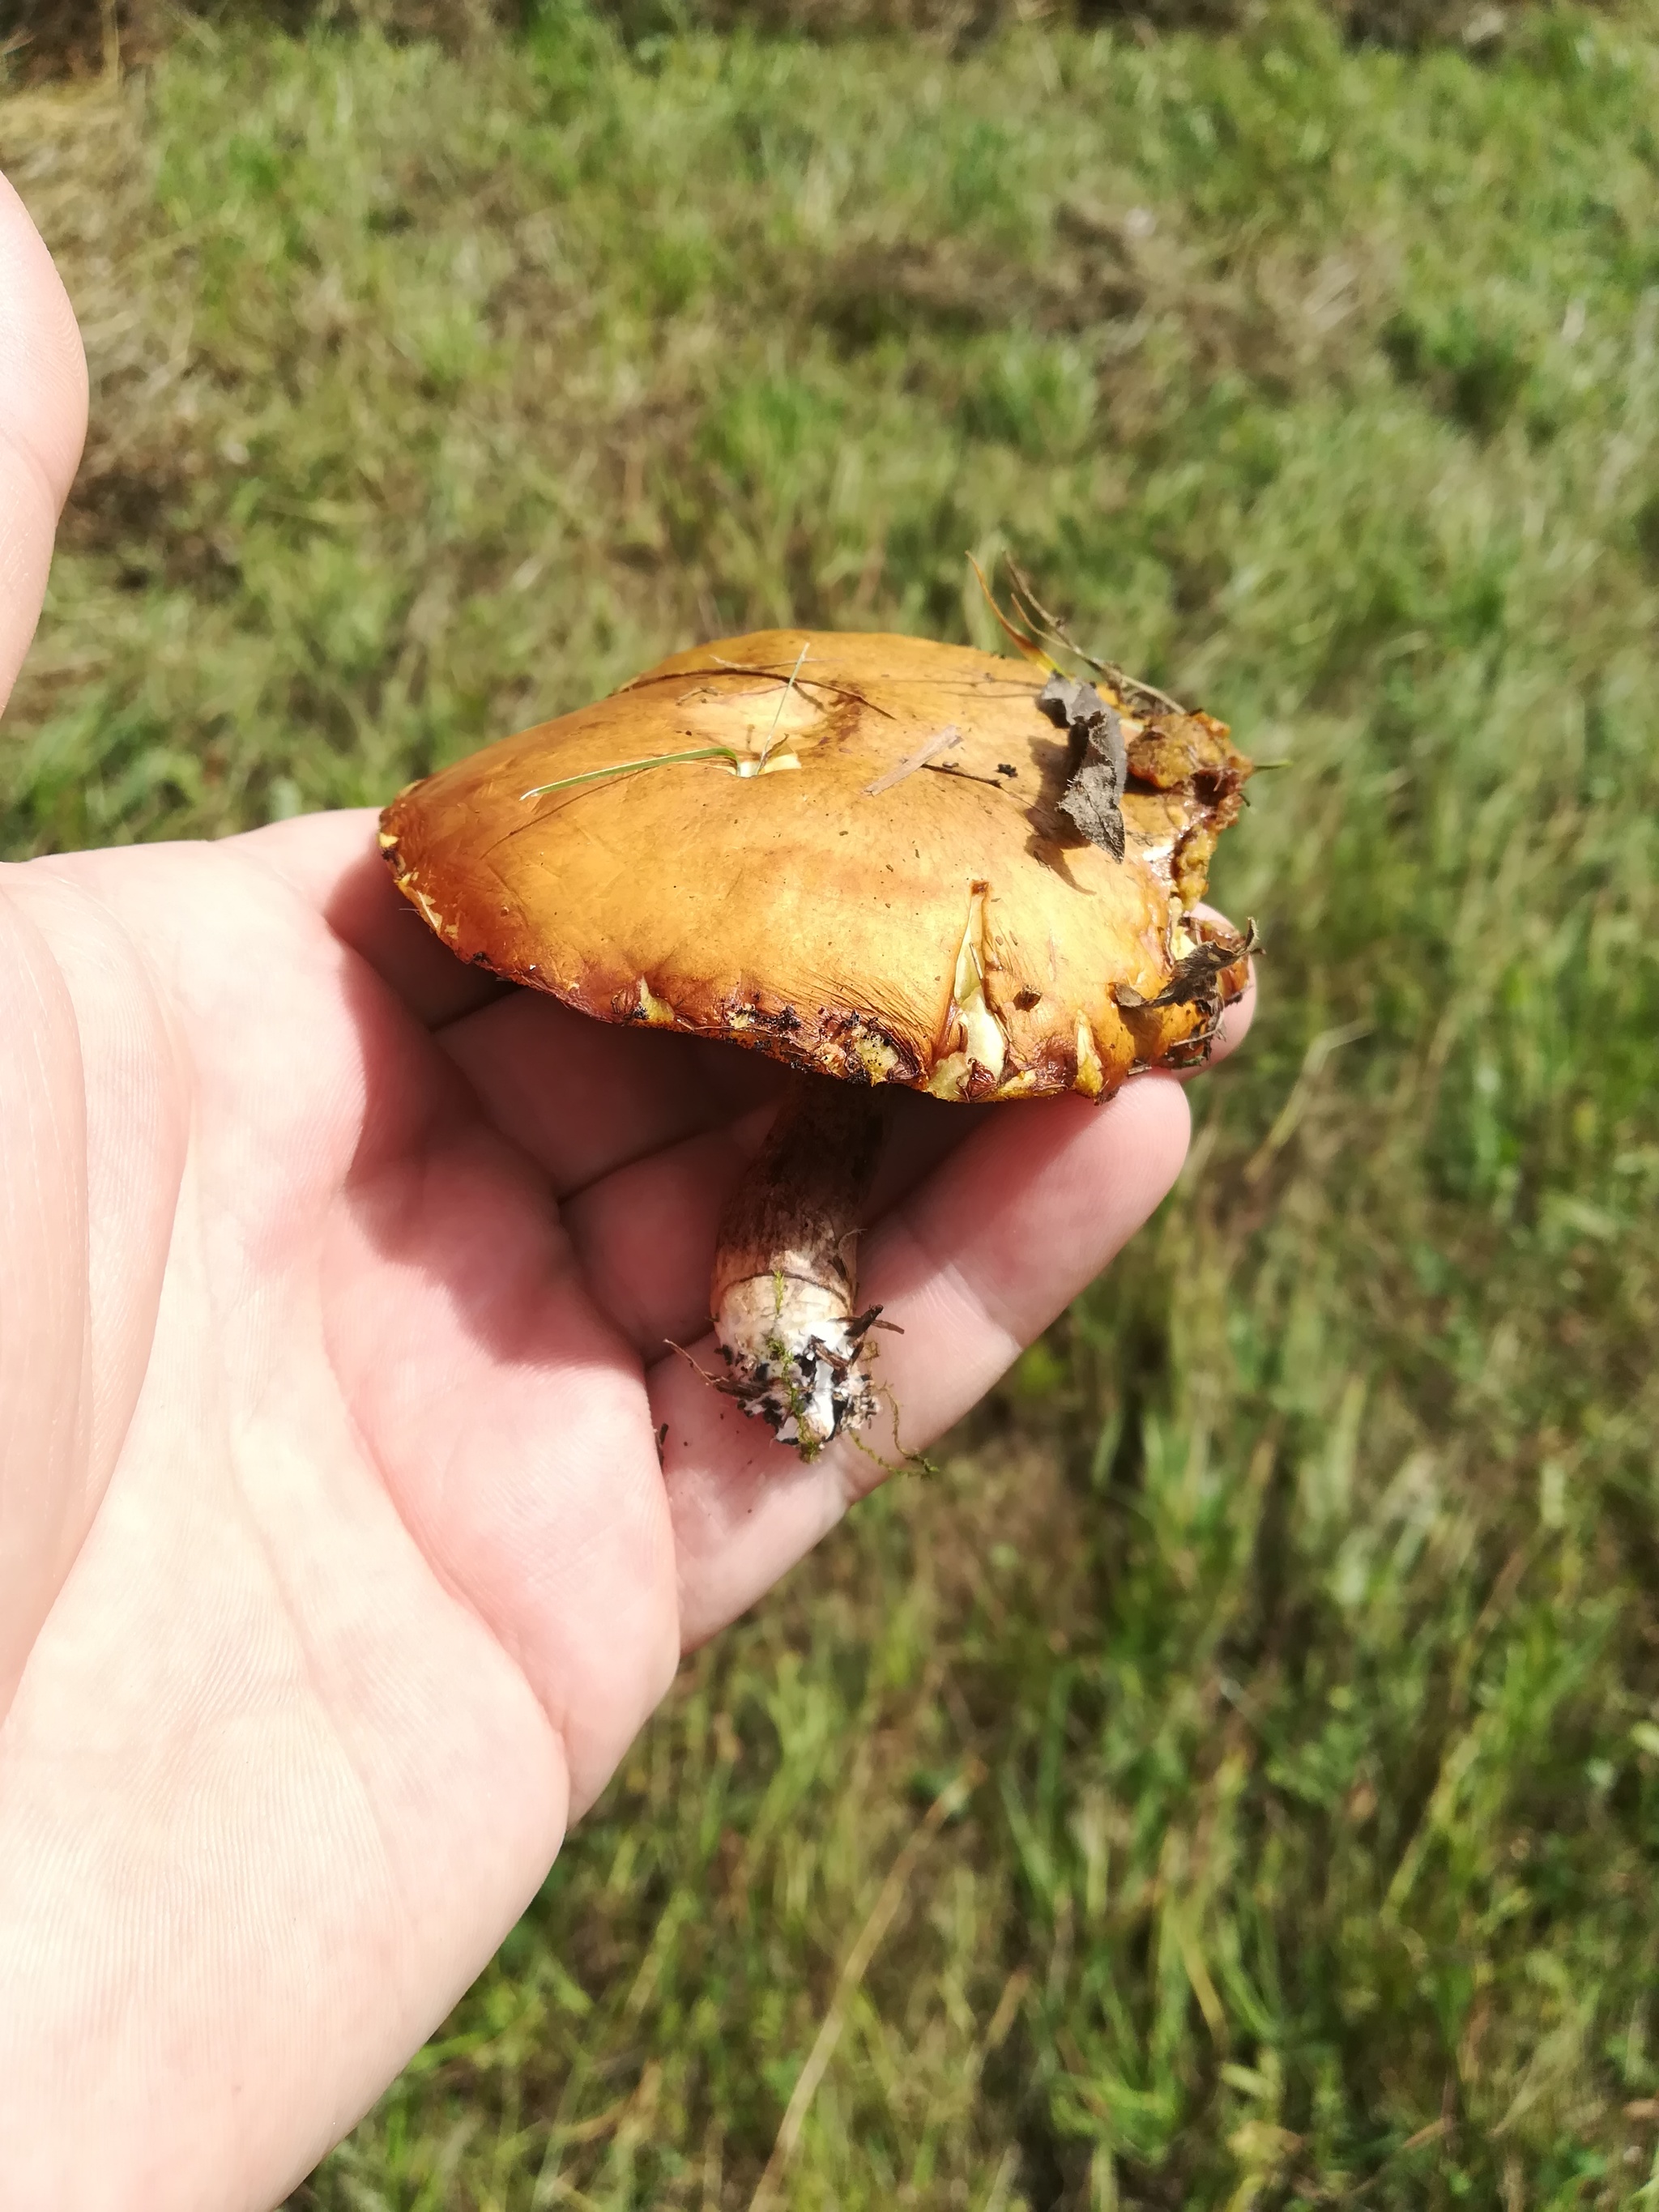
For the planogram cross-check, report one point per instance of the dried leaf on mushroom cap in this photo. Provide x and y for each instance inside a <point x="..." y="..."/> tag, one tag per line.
<point x="1100" y="762"/>
<point x="1198" y="973"/>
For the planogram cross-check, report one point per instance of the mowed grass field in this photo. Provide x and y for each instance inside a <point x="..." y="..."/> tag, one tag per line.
<point x="1232" y="1779"/>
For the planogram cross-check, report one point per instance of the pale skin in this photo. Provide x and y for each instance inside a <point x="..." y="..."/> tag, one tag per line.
<point x="339" y="1565"/>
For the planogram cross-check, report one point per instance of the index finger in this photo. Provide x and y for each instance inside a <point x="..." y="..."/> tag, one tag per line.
<point x="43" y="423"/>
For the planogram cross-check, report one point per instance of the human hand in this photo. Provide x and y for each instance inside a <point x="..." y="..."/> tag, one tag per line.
<point x="337" y="1562"/>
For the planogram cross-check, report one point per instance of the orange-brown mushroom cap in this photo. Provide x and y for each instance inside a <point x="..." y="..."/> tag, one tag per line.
<point x="868" y="873"/>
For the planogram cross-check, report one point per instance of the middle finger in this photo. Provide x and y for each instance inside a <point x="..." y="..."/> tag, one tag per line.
<point x="584" y="1098"/>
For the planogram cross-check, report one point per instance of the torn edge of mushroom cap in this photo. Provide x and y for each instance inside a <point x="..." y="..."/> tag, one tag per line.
<point x="972" y="1055"/>
<point x="973" y="1048"/>
<point x="973" y="1060"/>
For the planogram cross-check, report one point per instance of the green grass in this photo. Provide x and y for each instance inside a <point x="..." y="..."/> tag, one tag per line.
<point x="1294" y="1610"/>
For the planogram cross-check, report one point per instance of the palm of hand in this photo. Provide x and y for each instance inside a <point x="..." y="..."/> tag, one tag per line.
<point x="359" y="1567"/>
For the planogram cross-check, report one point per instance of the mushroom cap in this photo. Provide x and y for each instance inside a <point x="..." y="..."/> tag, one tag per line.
<point x="867" y="874"/>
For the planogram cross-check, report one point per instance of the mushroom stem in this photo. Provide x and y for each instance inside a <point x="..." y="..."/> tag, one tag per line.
<point x="785" y="1289"/>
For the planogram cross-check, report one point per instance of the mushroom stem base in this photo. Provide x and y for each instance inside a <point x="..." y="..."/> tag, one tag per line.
<point x="785" y="1290"/>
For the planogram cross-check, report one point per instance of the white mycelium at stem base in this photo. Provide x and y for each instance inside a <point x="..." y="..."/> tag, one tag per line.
<point x="785" y="1291"/>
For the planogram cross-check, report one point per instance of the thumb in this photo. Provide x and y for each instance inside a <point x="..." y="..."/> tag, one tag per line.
<point x="42" y="422"/>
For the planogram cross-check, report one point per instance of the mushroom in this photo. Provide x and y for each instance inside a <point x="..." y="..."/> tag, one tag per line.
<point x="880" y="860"/>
